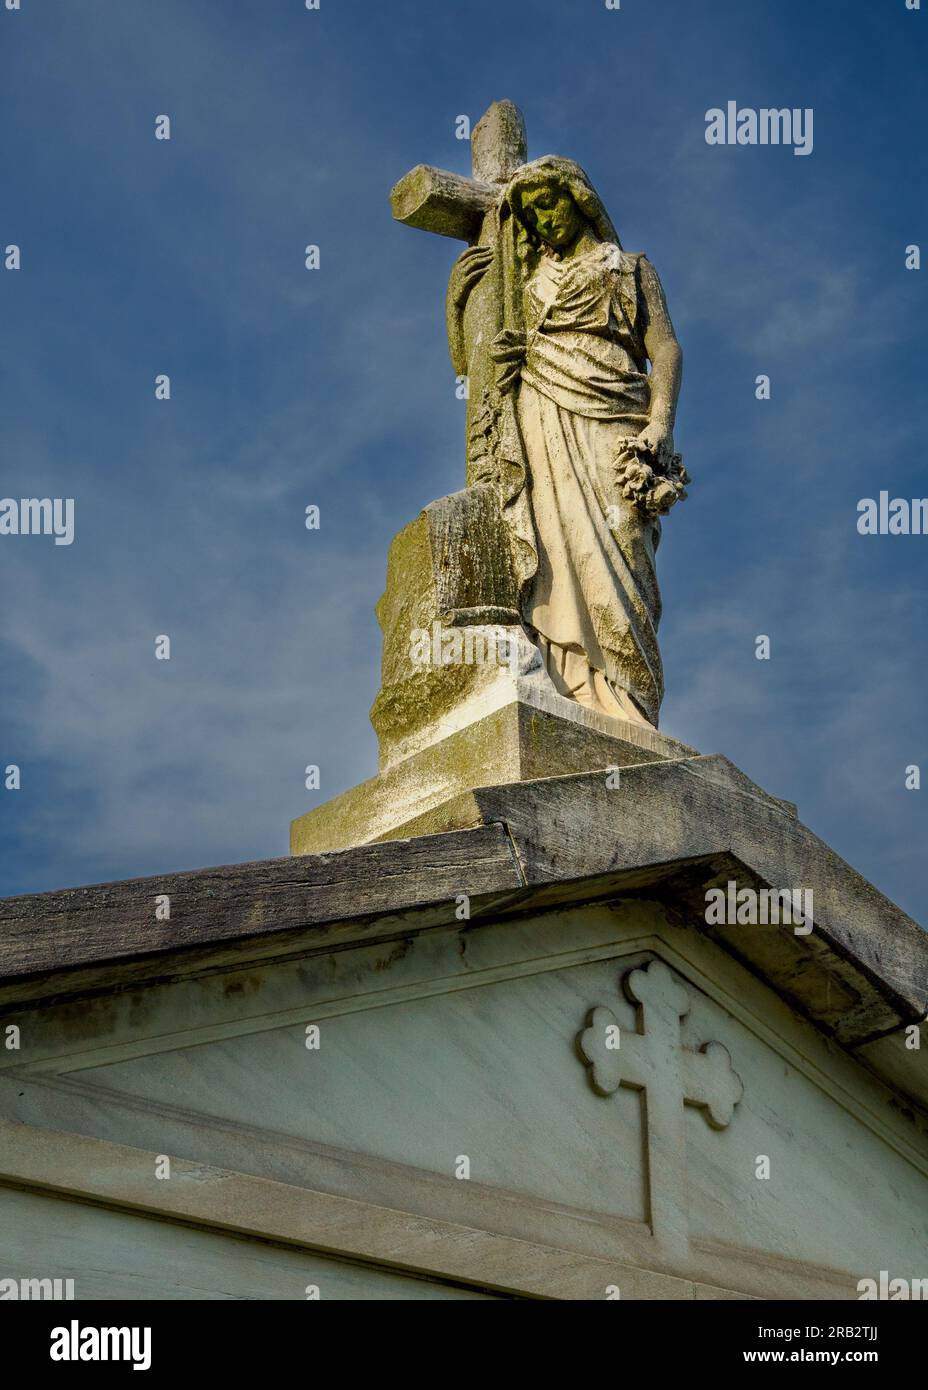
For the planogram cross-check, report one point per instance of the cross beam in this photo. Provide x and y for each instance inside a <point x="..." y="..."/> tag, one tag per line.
<point x="452" y="204"/>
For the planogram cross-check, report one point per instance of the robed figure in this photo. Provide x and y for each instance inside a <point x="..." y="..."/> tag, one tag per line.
<point x="574" y="425"/>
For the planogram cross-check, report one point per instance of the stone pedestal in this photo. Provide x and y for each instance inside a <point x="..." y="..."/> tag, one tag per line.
<point x="465" y="700"/>
<point x="517" y="728"/>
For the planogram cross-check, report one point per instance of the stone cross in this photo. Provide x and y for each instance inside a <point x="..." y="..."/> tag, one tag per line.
<point x="454" y="205"/>
<point x="655" y="1061"/>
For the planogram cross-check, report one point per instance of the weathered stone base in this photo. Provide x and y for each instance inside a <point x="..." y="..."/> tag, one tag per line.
<point x="465" y="700"/>
<point x="519" y="730"/>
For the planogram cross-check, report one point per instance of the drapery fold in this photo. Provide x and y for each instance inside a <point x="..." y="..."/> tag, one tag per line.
<point x="571" y="388"/>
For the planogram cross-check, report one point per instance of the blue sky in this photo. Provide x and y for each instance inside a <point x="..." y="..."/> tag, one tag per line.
<point x="333" y="387"/>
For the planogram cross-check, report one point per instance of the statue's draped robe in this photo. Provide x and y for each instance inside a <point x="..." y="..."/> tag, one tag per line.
<point x="594" y="602"/>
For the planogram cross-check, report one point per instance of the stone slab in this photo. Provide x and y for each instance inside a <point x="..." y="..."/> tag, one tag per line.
<point x="670" y="829"/>
<point x="517" y="731"/>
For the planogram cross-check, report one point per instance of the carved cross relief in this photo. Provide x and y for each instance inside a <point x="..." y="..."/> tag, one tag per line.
<point x="655" y="1061"/>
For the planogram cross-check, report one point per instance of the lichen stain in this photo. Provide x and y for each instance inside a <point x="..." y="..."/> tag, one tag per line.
<point x="241" y="985"/>
<point x="397" y="953"/>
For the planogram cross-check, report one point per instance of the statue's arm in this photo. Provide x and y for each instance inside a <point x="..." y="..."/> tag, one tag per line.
<point x="664" y="352"/>
<point x="467" y="271"/>
<point x="454" y="319"/>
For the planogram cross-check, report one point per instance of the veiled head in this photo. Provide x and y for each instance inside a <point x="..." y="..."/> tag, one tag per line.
<point x="553" y="199"/>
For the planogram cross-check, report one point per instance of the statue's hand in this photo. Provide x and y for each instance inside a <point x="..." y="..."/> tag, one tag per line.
<point x="657" y="442"/>
<point x="649" y="473"/>
<point x="467" y="271"/>
<point x="508" y="352"/>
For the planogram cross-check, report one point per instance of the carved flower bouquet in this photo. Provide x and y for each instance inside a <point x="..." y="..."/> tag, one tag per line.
<point x="652" y="483"/>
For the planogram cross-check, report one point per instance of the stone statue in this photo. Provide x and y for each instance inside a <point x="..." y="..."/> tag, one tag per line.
<point x="520" y="613"/>
<point x="555" y="327"/>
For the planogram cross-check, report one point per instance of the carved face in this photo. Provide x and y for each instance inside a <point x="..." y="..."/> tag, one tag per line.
<point x="552" y="212"/>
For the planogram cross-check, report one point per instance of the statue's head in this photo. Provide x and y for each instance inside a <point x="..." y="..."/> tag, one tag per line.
<point x="554" y="201"/>
<point x="548" y="211"/>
